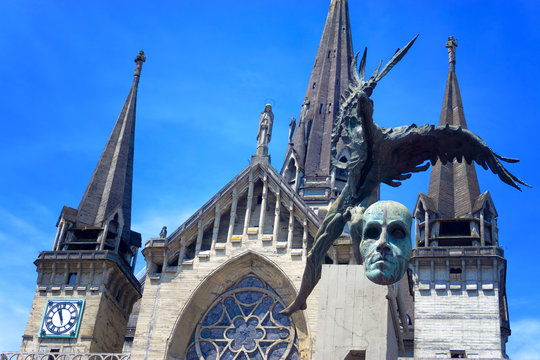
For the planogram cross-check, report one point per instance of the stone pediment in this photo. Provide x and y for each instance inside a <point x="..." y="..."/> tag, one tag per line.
<point x="484" y="201"/>
<point x="256" y="210"/>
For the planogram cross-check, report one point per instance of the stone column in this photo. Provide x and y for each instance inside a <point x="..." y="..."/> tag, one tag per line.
<point x="199" y="236"/>
<point x="291" y="226"/>
<point x="104" y="236"/>
<point x="416" y="234"/>
<point x="249" y="204"/>
<point x="296" y="178"/>
<point x="217" y="220"/>
<point x="482" y="229"/>
<point x="263" y="206"/>
<point x="233" y="215"/>
<point x="62" y="236"/>
<point x="276" y="218"/>
<point x="182" y="253"/>
<point x="134" y="260"/>
<point x="426" y="229"/>
<point x="494" y="233"/>
<point x="58" y="235"/>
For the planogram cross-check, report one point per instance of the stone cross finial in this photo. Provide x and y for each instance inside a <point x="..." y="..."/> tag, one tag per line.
<point x="451" y="45"/>
<point x="139" y="60"/>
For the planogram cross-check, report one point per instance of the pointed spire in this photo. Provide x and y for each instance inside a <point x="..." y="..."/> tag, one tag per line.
<point x="328" y="81"/>
<point x="109" y="190"/>
<point x="453" y="187"/>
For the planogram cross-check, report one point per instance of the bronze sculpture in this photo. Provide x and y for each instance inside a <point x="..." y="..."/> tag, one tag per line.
<point x="383" y="236"/>
<point x="387" y="156"/>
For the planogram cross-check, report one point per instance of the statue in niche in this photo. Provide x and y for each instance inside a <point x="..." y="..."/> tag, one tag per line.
<point x="264" y="135"/>
<point x="387" y="156"/>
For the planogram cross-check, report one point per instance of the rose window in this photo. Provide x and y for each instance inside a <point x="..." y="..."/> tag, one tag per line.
<point x="244" y="323"/>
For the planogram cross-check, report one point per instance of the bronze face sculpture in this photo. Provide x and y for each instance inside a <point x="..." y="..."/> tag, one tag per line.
<point x="387" y="156"/>
<point x="382" y="235"/>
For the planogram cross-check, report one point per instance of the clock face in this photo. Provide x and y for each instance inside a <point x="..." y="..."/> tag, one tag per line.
<point x="62" y="318"/>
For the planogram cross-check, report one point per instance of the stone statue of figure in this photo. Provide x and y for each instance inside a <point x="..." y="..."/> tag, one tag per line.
<point x="382" y="240"/>
<point x="292" y="127"/>
<point x="264" y="135"/>
<point x="163" y="233"/>
<point x="387" y="156"/>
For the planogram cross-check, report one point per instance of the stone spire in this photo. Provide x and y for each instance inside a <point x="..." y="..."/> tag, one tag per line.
<point x="109" y="190"/>
<point x="453" y="187"/>
<point x="329" y="79"/>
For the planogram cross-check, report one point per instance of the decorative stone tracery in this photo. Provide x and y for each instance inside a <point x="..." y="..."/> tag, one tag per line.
<point x="244" y="323"/>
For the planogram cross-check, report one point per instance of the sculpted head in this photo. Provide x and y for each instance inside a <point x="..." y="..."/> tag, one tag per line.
<point x="382" y="235"/>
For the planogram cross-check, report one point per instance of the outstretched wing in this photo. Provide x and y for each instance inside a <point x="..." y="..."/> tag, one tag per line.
<point x="407" y="148"/>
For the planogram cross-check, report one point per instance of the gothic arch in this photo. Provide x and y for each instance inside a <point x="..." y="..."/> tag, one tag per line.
<point x="221" y="279"/>
<point x="291" y="170"/>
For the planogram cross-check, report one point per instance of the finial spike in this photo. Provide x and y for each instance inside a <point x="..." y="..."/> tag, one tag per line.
<point x="451" y="45"/>
<point x="139" y="59"/>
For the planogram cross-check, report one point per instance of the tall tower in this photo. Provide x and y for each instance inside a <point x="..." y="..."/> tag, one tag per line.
<point x="459" y="270"/>
<point x="86" y="287"/>
<point x="307" y="165"/>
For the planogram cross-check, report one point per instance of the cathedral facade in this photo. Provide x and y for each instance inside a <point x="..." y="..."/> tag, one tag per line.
<point x="214" y="287"/>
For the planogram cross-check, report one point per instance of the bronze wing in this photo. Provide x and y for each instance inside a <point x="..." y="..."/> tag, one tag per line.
<point x="405" y="150"/>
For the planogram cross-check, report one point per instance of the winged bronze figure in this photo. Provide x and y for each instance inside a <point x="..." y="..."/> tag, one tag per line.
<point x="385" y="156"/>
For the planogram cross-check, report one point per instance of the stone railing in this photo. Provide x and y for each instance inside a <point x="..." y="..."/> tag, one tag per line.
<point x="458" y="251"/>
<point x="61" y="356"/>
<point x="75" y="255"/>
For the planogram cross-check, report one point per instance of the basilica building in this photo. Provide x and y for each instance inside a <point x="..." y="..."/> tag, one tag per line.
<point x="214" y="286"/>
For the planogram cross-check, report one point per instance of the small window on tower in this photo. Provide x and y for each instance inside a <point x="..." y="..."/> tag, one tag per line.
<point x="330" y="107"/>
<point x="457" y="354"/>
<point x="53" y="357"/>
<point x="329" y="52"/>
<point x="455" y="274"/>
<point x="321" y="108"/>
<point x="72" y="278"/>
<point x="314" y="84"/>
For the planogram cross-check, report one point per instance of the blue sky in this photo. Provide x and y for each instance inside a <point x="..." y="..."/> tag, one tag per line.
<point x="211" y="67"/>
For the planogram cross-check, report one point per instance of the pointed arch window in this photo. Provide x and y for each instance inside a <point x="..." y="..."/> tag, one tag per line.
<point x="244" y="323"/>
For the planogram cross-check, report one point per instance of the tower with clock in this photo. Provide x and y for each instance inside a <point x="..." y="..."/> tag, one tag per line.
<point x="85" y="287"/>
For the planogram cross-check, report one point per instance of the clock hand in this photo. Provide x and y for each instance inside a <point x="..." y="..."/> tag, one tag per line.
<point x="61" y="318"/>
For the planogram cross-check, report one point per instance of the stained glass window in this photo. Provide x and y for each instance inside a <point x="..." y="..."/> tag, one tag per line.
<point x="244" y="323"/>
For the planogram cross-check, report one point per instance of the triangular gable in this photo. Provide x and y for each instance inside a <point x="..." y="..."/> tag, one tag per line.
<point x="427" y="204"/>
<point x="482" y="200"/>
<point x="199" y="228"/>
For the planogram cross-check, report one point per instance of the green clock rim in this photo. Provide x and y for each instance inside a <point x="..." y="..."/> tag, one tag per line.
<point x="65" y="336"/>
